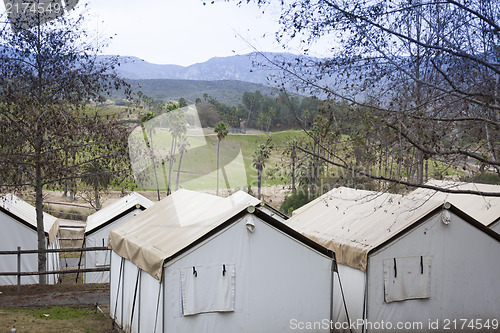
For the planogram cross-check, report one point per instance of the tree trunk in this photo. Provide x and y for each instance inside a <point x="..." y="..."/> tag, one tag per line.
<point x="154" y="162"/>
<point x="259" y="179"/>
<point x="218" y="146"/>
<point x="97" y="199"/>
<point x="293" y="155"/>
<point x="179" y="171"/>
<point x="42" y="259"/>
<point x="171" y="162"/>
<point x="419" y="160"/>
<point x="426" y="170"/>
<point x="248" y="118"/>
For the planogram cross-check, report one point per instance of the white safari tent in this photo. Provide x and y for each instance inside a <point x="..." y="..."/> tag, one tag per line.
<point x="485" y="209"/>
<point x="18" y="229"/>
<point x="97" y="231"/>
<point x="406" y="262"/>
<point x="194" y="262"/>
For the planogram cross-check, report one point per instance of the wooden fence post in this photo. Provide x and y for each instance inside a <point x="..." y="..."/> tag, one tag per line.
<point x="18" y="269"/>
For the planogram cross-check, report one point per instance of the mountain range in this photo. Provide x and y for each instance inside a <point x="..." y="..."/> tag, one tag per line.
<point x="252" y="67"/>
<point x="225" y="78"/>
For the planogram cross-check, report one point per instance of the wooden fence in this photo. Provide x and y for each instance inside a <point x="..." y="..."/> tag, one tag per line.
<point x="20" y="252"/>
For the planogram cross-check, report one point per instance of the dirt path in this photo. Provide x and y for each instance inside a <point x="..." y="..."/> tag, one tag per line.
<point x="54" y="295"/>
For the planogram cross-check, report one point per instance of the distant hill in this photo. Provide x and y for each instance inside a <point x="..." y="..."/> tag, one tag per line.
<point x="238" y="67"/>
<point x="135" y="68"/>
<point x="228" y="92"/>
<point x="225" y="78"/>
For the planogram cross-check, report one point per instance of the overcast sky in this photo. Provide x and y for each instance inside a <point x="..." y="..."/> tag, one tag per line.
<point x="182" y="32"/>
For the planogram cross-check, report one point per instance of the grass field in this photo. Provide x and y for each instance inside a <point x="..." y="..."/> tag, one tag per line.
<point x="199" y="163"/>
<point x="55" y="320"/>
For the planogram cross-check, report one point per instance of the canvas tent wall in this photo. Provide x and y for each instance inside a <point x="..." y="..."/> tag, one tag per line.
<point x="18" y="225"/>
<point x="495" y="226"/>
<point x="197" y="263"/>
<point x="97" y="231"/>
<point x="404" y="259"/>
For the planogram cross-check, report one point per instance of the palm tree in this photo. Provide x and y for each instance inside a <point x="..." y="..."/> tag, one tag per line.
<point x="183" y="144"/>
<point x="221" y="130"/>
<point x="260" y="156"/>
<point x="176" y="121"/>
<point x="149" y="143"/>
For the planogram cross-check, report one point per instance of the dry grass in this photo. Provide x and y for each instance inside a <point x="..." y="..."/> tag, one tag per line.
<point x="55" y="319"/>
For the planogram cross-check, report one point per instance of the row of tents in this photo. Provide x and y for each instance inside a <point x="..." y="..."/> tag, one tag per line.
<point x="349" y="261"/>
<point x="19" y="229"/>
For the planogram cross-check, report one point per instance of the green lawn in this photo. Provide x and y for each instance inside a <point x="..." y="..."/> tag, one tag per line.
<point x="199" y="164"/>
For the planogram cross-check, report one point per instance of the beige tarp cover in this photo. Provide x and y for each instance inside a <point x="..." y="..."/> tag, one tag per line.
<point x="484" y="209"/>
<point x="27" y="213"/>
<point x="352" y="222"/>
<point x="173" y="224"/>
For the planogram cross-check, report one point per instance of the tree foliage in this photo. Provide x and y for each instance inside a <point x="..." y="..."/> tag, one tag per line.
<point x="49" y="133"/>
<point x="260" y="111"/>
<point x="425" y="72"/>
<point x="259" y="159"/>
<point x="296" y="199"/>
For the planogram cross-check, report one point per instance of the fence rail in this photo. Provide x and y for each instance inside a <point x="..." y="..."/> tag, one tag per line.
<point x="61" y="271"/>
<point x="20" y="252"/>
<point x="76" y="249"/>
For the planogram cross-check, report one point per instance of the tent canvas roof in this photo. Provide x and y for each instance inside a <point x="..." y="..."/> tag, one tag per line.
<point x="173" y="224"/>
<point x="115" y="209"/>
<point x="484" y="209"/>
<point x="353" y="222"/>
<point x="27" y="213"/>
